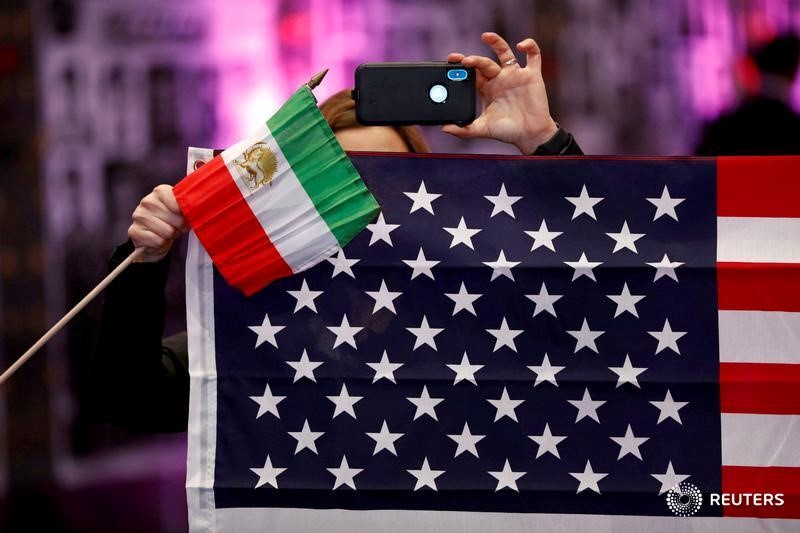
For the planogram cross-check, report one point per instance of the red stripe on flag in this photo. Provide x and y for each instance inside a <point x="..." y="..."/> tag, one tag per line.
<point x="229" y="231"/>
<point x="758" y="186"/>
<point x="758" y="286"/>
<point x="759" y="388"/>
<point x="740" y="480"/>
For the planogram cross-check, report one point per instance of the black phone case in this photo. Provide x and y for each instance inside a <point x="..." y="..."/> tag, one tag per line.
<point x="398" y="94"/>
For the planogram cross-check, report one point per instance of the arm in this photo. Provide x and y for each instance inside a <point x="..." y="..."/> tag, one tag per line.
<point x="141" y="382"/>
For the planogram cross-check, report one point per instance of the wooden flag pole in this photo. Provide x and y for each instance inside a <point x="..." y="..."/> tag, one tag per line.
<point x="70" y="315"/>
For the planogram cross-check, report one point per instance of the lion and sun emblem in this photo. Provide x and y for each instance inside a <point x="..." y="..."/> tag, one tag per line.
<point x="259" y="163"/>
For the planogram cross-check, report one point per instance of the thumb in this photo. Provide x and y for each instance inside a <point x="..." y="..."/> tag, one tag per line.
<point x="466" y="132"/>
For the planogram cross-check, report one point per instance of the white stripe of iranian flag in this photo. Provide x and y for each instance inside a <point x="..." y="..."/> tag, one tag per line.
<point x="283" y="208"/>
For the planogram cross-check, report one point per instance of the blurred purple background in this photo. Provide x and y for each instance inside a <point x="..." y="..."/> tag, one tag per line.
<point x="100" y="98"/>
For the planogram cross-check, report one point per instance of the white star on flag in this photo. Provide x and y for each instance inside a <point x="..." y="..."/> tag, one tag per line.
<point x="544" y="301"/>
<point x="547" y="442"/>
<point x="463" y="300"/>
<point x="384" y="369"/>
<point x="422" y="199"/>
<point x="669" y="408"/>
<point x="546" y="372"/>
<point x="384" y="298"/>
<point x="665" y="205"/>
<point x="588" y="478"/>
<point x="344" y="474"/>
<point x="507" y="478"/>
<point x="543" y="237"/>
<point x="465" y="371"/>
<point x="341" y="264"/>
<point x="344" y="402"/>
<point x="504" y="336"/>
<point x="381" y="231"/>
<point x="306" y="438"/>
<point x="667" y="338"/>
<point x="305" y="297"/>
<point x="625" y="239"/>
<point x="462" y="234"/>
<point x="425" y="334"/>
<point x="585" y="337"/>
<point x="583" y="267"/>
<point x="425" y="476"/>
<point x="665" y="267"/>
<point x="267" y="474"/>
<point x="384" y="440"/>
<point x="627" y="373"/>
<point x="466" y="442"/>
<point x="629" y="444"/>
<point x="505" y="406"/>
<point x="345" y="333"/>
<point x="587" y="407"/>
<point x="304" y="368"/>
<point x="626" y="302"/>
<point x="669" y="479"/>
<point x="267" y="402"/>
<point x="502" y="267"/>
<point x="425" y="404"/>
<point x="584" y="204"/>
<point x="421" y="265"/>
<point x="266" y="332"/>
<point x="502" y="202"/>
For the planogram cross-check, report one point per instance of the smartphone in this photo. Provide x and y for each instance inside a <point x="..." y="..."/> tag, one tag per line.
<point x="414" y="93"/>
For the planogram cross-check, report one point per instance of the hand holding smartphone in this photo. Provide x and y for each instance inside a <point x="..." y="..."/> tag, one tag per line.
<point x="414" y="93"/>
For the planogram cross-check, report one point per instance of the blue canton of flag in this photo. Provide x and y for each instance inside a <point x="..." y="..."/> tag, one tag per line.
<point x="510" y="335"/>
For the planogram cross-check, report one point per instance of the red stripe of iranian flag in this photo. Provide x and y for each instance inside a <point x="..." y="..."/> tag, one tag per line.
<point x="279" y="201"/>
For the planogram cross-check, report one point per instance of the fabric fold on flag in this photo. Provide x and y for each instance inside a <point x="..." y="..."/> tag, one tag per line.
<point x="278" y="202"/>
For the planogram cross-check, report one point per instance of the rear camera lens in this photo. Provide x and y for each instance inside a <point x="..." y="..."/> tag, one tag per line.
<point x="457" y="74"/>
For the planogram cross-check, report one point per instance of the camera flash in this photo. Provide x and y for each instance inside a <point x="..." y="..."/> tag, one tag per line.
<point x="438" y="93"/>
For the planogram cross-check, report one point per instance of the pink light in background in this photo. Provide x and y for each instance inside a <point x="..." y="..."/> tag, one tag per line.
<point x="243" y="47"/>
<point x="265" y="50"/>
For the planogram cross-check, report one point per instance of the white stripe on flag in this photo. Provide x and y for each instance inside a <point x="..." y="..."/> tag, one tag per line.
<point x="202" y="425"/>
<point x="401" y="521"/>
<point x="760" y="440"/>
<point x="759" y="337"/>
<point x="284" y="208"/>
<point x="758" y="240"/>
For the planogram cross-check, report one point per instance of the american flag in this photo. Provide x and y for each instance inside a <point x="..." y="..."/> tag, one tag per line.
<point x="568" y="343"/>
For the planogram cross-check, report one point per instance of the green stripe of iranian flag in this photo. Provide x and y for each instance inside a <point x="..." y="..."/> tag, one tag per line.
<point x="316" y="202"/>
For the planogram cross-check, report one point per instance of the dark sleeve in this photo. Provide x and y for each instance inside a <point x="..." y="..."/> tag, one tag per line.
<point x="139" y="381"/>
<point x="561" y="143"/>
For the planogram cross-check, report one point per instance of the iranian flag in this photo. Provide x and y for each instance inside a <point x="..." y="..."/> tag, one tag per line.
<point x="278" y="202"/>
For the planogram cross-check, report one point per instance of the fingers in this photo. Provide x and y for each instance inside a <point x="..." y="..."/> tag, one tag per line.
<point x="485" y="66"/>
<point x="454" y="57"/>
<point x="534" y="54"/>
<point x="476" y="129"/>
<point x="143" y="238"/>
<point x="151" y="222"/>
<point x="167" y="197"/>
<point x="157" y="222"/>
<point x="499" y="46"/>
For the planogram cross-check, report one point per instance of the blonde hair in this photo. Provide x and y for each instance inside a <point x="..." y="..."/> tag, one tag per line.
<point x="340" y="112"/>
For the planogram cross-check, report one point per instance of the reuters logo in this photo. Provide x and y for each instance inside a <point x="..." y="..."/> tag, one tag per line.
<point x="684" y="499"/>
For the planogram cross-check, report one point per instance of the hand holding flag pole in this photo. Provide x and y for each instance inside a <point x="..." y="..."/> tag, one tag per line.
<point x="312" y="83"/>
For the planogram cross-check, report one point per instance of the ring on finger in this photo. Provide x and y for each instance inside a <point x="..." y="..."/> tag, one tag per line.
<point x="512" y="61"/>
